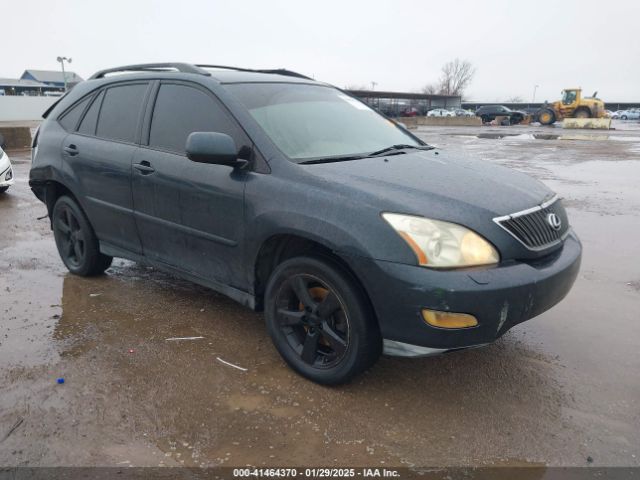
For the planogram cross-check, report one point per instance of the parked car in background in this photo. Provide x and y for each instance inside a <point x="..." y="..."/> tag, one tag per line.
<point x="440" y="112"/>
<point x="632" y="114"/>
<point x="351" y="234"/>
<point x="461" y="112"/>
<point x="488" y="113"/>
<point x="6" y="172"/>
<point x="410" y="112"/>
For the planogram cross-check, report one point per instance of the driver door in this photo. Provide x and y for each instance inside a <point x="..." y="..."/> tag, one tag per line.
<point x="190" y="215"/>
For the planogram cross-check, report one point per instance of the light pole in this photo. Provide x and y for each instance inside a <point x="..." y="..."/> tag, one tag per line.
<point x="535" y="87"/>
<point x="64" y="75"/>
<point x="373" y="85"/>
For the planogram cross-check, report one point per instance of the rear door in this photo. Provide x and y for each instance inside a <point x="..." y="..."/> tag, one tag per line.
<point x="190" y="215"/>
<point x="99" y="156"/>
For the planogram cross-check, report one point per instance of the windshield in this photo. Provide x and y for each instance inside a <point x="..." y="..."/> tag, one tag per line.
<point x="314" y="122"/>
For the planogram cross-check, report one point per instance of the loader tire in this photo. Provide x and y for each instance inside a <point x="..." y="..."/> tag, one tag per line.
<point x="582" y="113"/>
<point x="546" y="117"/>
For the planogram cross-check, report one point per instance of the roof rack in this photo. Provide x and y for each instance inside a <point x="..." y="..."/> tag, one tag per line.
<point x="275" y="71"/>
<point x="152" y="67"/>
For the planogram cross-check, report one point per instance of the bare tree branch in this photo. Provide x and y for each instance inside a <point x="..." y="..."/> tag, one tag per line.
<point x="431" y="89"/>
<point x="456" y="77"/>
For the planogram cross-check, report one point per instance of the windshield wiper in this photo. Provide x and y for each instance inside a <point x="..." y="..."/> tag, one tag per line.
<point x="394" y="148"/>
<point x="333" y="159"/>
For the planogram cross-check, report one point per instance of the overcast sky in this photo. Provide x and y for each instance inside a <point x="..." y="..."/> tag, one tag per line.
<point x="401" y="44"/>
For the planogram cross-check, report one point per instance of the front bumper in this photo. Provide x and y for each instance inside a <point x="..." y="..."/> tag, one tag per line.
<point x="6" y="171"/>
<point x="499" y="297"/>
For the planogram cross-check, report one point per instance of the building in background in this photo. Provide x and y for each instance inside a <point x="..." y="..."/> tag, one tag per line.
<point x="52" y="78"/>
<point x="27" y="88"/>
<point x="34" y="83"/>
<point x="405" y="104"/>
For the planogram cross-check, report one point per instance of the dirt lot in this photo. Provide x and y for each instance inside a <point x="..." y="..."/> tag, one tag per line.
<point x="557" y="390"/>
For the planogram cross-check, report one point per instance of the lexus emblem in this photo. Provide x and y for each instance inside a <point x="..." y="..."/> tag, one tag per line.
<point x="554" y="221"/>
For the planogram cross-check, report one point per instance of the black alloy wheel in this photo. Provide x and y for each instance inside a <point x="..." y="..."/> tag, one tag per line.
<point x="76" y="241"/>
<point x="320" y="320"/>
<point x="71" y="239"/>
<point x="313" y="319"/>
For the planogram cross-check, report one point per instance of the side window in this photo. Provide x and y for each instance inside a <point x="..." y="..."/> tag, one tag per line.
<point x="88" y="124"/>
<point x="120" y="112"/>
<point x="71" y="117"/>
<point x="180" y="110"/>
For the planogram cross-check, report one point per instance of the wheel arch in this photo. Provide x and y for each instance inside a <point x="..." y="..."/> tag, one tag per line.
<point x="283" y="246"/>
<point x="53" y="190"/>
<point x="586" y="108"/>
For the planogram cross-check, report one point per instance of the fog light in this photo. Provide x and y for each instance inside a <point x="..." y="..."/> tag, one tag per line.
<point x="9" y="175"/>
<point x="448" y="319"/>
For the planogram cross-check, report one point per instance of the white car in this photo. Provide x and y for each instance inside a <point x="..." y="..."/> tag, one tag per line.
<point x="629" y="115"/>
<point x="440" y="112"/>
<point x="6" y="172"/>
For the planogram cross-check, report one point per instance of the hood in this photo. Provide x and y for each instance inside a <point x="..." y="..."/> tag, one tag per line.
<point x="434" y="183"/>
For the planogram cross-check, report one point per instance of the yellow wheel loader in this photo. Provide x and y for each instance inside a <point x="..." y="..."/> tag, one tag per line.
<point x="572" y="105"/>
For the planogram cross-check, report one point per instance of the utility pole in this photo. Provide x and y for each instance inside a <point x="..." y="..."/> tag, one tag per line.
<point x="373" y="85"/>
<point x="535" y="87"/>
<point x="64" y="75"/>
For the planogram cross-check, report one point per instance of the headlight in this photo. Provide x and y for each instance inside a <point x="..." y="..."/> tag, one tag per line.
<point x="439" y="244"/>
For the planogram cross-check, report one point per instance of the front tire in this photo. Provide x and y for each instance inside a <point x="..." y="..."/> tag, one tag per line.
<point x="623" y="117"/>
<point x="76" y="241"/>
<point x="320" y="320"/>
<point x="4" y="189"/>
<point x="546" y="117"/>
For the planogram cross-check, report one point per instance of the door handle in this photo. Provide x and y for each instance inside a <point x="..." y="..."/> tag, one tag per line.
<point x="144" y="167"/>
<point x="71" y="149"/>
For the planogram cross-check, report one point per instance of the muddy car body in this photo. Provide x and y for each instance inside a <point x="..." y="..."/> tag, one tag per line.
<point x="294" y="198"/>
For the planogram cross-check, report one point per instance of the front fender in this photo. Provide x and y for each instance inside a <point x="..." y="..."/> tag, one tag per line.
<point x="337" y="239"/>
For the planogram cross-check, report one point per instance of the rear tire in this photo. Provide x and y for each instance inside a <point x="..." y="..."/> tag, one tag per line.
<point x="546" y="117"/>
<point x="582" y="113"/>
<point x="623" y="117"/>
<point x="320" y="320"/>
<point x="76" y="241"/>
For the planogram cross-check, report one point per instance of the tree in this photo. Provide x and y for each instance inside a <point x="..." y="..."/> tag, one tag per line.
<point x="515" y="99"/>
<point x="456" y="77"/>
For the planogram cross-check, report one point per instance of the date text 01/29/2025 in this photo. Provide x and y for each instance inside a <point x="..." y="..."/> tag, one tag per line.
<point x="315" y="473"/>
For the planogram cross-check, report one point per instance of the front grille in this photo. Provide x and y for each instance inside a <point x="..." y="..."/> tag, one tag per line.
<point x="533" y="227"/>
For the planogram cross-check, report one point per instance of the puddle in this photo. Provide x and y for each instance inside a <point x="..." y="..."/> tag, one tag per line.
<point x="550" y="136"/>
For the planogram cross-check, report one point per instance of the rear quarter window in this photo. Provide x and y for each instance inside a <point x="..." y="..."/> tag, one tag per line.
<point x="69" y="119"/>
<point x="120" y="112"/>
<point x="90" y="120"/>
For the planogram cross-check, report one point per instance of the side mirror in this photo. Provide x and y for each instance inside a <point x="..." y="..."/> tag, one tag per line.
<point x="212" y="147"/>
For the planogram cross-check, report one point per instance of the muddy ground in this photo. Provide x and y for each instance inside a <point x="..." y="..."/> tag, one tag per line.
<point x="557" y="390"/>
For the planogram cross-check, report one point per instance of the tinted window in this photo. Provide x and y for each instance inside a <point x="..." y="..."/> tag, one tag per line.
<point x="88" y="124"/>
<point x="70" y="119"/>
<point x="120" y="112"/>
<point x="180" y="110"/>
